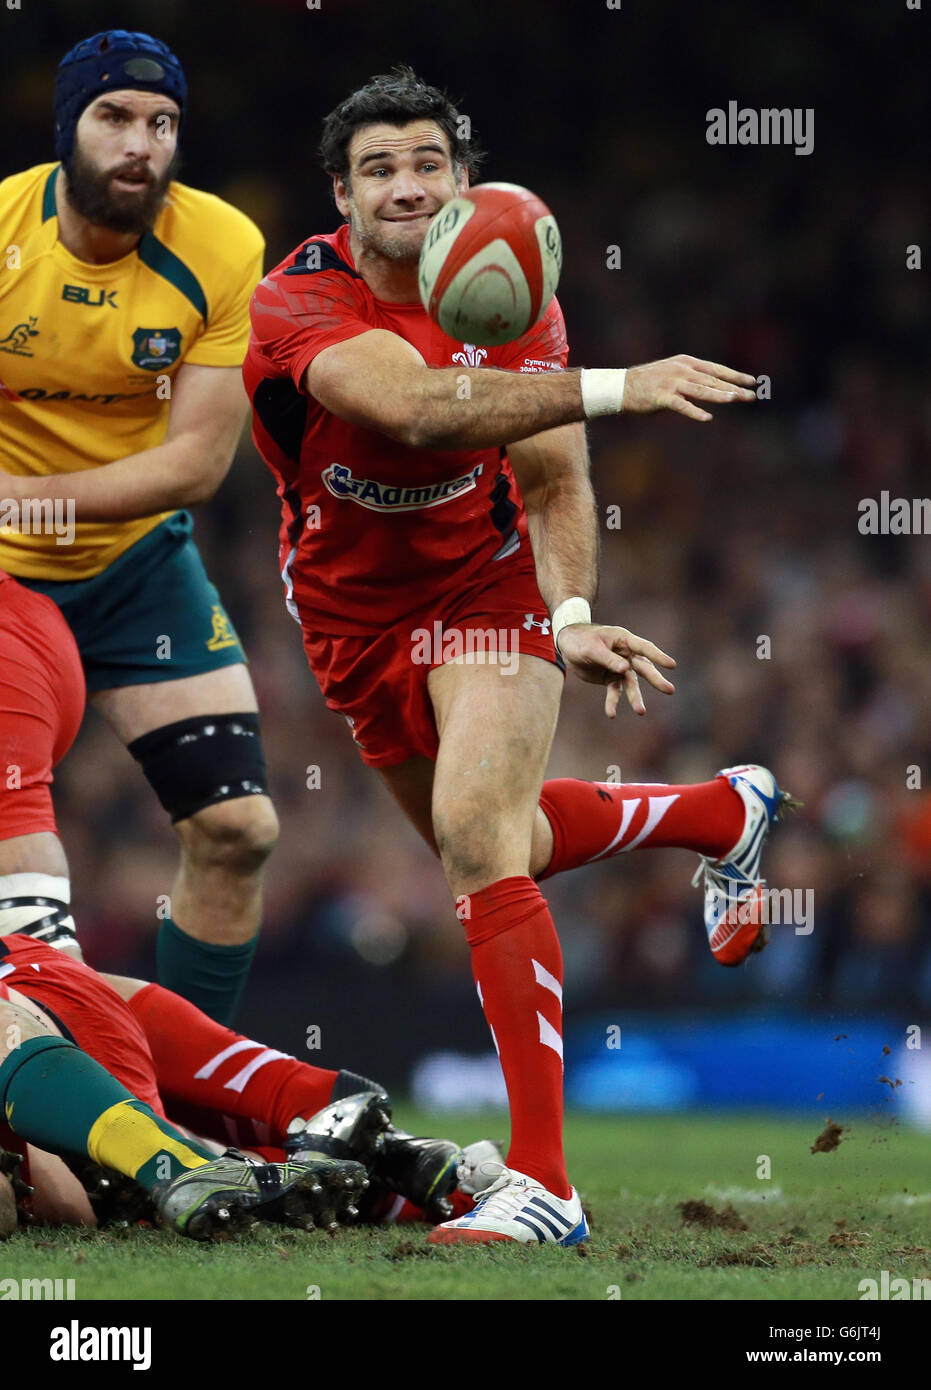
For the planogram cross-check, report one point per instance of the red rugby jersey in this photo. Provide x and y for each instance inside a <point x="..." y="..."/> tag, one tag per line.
<point x="396" y="526"/>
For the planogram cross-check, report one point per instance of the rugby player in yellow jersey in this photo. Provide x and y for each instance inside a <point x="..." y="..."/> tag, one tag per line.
<point x="124" y="318"/>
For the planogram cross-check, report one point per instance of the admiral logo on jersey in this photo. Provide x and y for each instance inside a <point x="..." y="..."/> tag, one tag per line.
<point x="424" y="521"/>
<point x="379" y="497"/>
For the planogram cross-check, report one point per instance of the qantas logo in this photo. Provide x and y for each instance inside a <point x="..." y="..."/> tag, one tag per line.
<point x="395" y="497"/>
<point x="39" y="393"/>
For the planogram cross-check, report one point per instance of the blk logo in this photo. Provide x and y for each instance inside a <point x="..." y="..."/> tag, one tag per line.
<point x="80" y="294"/>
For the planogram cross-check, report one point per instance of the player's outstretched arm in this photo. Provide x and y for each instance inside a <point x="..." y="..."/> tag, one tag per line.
<point x="206" y="416"/>
<point x="379" y="381"/>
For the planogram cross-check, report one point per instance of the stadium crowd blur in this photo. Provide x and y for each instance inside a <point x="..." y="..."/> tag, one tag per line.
<point x="801" y="643"/>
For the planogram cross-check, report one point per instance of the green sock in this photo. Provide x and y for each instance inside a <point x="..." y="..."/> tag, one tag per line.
<point x="212" y="977"/>
<point x="57" y="1097"/>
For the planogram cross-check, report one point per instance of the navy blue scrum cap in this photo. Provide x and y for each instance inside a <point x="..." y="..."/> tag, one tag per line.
<point x="113" y="61"/>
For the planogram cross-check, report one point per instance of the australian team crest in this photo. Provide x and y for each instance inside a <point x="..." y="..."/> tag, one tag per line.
<point x="156" y="348"/>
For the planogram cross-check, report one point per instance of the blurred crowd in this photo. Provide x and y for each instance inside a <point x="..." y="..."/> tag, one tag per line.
<point x="802" y="643"/>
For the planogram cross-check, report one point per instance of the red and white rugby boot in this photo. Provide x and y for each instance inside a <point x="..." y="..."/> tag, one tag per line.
<point x="736" y="915"/>
<point x="511" y="1206"/>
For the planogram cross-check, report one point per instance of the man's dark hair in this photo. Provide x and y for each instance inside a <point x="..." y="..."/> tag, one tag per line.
<point x="395" y="98"/>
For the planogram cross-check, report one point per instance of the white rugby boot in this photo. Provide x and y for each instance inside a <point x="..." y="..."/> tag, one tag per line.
<point x="736" y="915"/>
<point x="511" y="1206"/>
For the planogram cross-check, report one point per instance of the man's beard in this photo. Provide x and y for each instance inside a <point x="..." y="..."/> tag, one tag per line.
<point x="91" y="196"/>
<point x="394" y="248"/>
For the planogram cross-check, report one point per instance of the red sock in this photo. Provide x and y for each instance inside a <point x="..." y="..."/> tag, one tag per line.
<point x="204" y="1067"/>
<point x="594" y="820"/>
<point x="517" y="966"/>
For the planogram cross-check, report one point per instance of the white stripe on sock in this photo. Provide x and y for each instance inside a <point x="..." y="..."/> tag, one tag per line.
<point x="242" y="1078"/>
<point x="545" y="979"/>
<point x="394" y="1211"/>
<point x="659" y="805"/>
<point x="210" y="1067"/>
<point x="627" y="814"/>
<point x="481" y="1000"/>
<point x="548" y="1035"/>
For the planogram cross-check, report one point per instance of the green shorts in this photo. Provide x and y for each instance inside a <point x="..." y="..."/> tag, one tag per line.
<point x="153" y="615"/>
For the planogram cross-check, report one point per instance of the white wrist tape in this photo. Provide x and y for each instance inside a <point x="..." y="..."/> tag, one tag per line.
<point x="603" y="390"/>
<point x="571" y="610"/>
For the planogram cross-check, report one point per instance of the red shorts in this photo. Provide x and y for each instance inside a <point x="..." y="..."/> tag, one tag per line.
<point x="86" y="1009"/>
<point x="41" y="705"/>
<point x="379" y="682"/>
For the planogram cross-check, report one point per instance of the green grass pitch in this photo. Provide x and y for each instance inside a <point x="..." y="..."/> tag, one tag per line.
<point x="814" y="1229"/>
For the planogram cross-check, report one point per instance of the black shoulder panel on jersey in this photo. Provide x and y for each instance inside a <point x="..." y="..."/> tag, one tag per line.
<point x="282" y="412"/>
<point x="319" y="255"/>
<point x="291" y="498"/>
<point x="161" y="260"/>
<point x="48" y="194"/>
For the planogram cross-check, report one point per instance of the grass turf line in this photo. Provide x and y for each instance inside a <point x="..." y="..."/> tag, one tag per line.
<point x="819" y="1225"/>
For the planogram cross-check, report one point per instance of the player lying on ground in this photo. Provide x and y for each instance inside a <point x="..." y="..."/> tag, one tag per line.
<point x="70" y="1040"/>
<point x="90" y="1065"/>
<point x="59" y="1099"/>
<point x="412" y="506"/>
<point x="121" y="399"/>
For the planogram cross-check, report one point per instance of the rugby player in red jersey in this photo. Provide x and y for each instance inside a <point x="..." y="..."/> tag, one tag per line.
<point x="149" y="1087"/>
<point x="88" y="1062"/>
<point x="437" y="543"/>
<point x="57" y="1017"/>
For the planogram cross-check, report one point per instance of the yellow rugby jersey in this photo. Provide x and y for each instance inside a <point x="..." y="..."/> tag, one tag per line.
<point x="85" y="349"/>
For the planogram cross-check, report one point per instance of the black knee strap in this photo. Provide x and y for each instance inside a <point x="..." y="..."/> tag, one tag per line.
<point x="199" y="762"/>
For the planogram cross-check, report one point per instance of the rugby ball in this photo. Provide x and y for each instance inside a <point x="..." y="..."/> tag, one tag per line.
<point x="490" y="264"/>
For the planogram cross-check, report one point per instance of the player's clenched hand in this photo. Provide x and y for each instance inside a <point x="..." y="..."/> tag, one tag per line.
<point x="675" y="382"/>
<point x="614" y="657"/>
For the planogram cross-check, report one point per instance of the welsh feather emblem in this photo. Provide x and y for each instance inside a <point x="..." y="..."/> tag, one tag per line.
<point x="156" y="348"/>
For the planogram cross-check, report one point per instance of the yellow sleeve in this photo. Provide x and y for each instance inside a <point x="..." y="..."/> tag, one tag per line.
<point x="224" y="341"/>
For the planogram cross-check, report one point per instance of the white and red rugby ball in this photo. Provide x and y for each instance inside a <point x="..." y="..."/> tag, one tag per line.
<point x="490" y="264"/>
